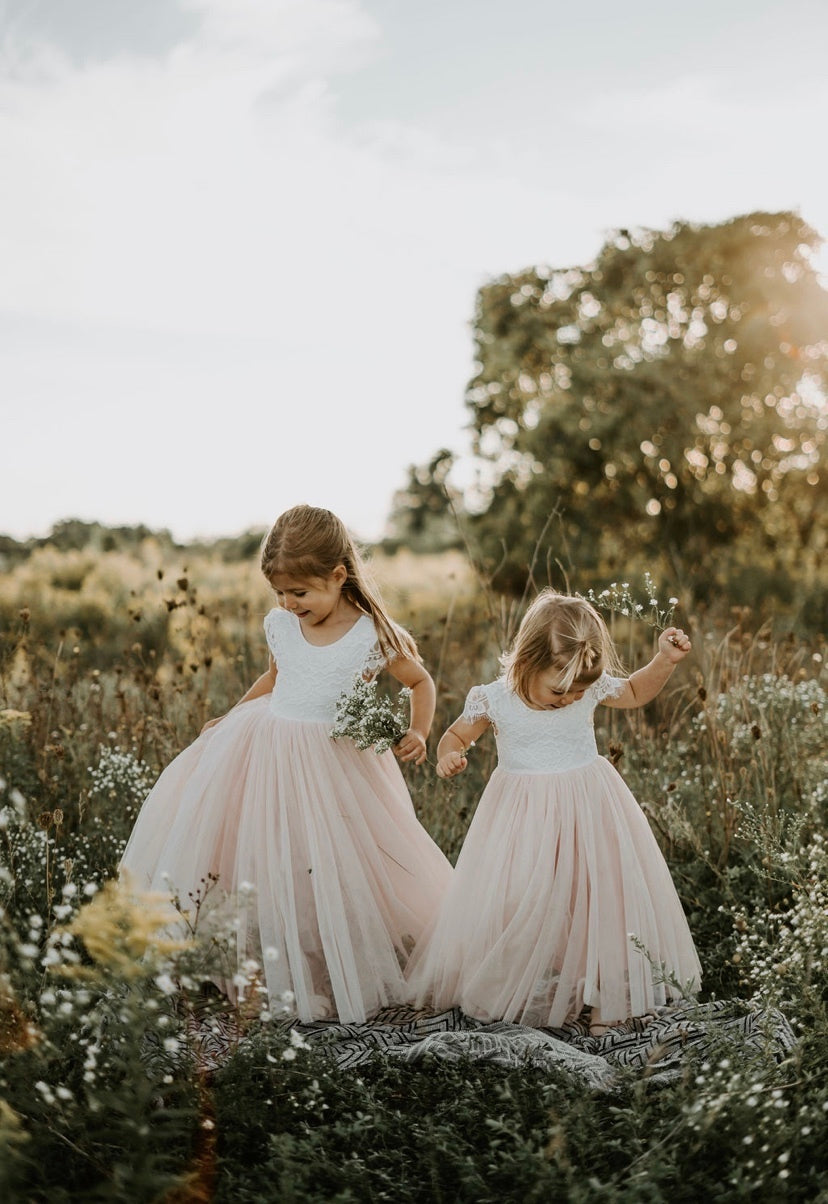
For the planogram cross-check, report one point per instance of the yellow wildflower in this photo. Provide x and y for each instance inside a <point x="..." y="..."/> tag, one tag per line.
<point x="120" y="927"/>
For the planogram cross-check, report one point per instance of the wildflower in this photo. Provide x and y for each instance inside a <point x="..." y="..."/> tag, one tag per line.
<point x="119" y="930"/>
<point x="370" y="721"/>
<point x="618" y="599"/>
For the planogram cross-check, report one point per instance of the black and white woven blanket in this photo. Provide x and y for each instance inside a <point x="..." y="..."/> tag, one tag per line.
<point x="655" y="1045"/>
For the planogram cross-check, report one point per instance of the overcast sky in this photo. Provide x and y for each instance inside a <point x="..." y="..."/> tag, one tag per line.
<point x="240" y="240"/>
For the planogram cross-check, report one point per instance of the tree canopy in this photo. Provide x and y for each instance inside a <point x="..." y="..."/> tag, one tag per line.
<point x="667" y="399"/>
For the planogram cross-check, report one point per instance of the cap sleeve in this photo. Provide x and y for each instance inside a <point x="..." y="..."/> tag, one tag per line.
<point x="477" y="705"/>
<point x="274" y="630"/>
<point x="607" y="686"/>
<point x="375" y="659"/>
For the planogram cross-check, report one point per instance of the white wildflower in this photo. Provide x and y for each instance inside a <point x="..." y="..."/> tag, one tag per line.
<point x="165" y="984"/>
<point x="369" y="720"/>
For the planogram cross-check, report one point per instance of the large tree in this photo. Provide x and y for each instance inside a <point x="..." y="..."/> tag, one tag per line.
<point x="660" y="399"/>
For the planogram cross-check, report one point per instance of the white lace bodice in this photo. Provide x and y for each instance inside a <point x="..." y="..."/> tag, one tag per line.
<point x="311" y="677"/>
<point x="530" y="741"/>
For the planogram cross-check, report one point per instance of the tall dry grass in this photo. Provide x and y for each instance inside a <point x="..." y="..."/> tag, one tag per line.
<point x="109" y="665"/>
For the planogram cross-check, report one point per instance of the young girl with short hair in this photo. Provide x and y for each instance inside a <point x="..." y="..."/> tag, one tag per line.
<point x="559" y="867"/>
<point x="315" y="844"/>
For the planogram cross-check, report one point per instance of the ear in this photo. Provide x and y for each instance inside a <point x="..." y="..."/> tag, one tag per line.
<point x="340" y="574"/>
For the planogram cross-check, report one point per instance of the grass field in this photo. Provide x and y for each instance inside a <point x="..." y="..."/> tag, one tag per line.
<point x="109" y="664"/>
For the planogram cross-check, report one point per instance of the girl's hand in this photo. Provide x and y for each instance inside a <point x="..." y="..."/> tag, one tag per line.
<point x="452" y="763"/>
<point x="412" y="747"/>
<point x="673" y="644"/>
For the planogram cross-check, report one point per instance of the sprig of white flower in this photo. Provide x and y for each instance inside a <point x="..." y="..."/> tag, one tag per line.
<point x="619" y="599"/>
<point x="370" y="720"/>
<point x="120" y="774"/>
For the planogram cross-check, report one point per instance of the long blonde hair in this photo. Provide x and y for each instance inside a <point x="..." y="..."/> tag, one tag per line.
<point x="307" y="542"/>
<point x="561" y="632"/>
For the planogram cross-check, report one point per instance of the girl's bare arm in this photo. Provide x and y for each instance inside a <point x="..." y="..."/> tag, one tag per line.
<point x="454" y="744"/>
<point x="643" y="685"/>
<point x="261" y="686"/>
<point x="413" y="675"/>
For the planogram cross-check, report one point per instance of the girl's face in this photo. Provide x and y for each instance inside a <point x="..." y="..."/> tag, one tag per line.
<point x="545" y="693"/>
<point x="312" y="599"/>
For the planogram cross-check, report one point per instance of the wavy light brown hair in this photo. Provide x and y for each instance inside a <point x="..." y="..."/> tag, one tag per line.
<point x="308" y="543"/>
<point x="561" y="632"/>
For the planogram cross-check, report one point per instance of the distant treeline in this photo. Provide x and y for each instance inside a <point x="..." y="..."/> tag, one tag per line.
<point x="74" y="534"/>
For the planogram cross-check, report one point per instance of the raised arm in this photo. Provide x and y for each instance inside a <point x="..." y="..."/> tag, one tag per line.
<point x="412" y="674"/>
<point x="644" y="684"/>
<point x="261" y="686"/>
<point x="455" y="743"/>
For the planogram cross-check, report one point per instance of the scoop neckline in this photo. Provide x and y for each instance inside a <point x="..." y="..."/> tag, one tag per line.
<point x="332" y="643"/>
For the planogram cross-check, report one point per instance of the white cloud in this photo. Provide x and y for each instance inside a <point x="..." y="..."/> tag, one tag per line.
<point x="327" y="36"/>
<point x="209" y="276"/>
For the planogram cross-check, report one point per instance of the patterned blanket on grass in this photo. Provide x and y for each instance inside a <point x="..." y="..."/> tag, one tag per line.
<point x="655" y="1045"/>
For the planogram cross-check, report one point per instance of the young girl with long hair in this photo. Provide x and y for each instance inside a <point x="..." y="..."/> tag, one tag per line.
<point x="315" y="846"/>
<point x="559" y="870"/>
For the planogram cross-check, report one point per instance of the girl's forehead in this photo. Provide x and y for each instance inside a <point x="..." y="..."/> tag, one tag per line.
<point x="284" y="582"/>
<point x="552" y="675"/>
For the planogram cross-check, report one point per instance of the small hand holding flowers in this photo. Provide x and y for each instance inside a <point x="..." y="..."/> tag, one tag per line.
<point x="674" y="644"/>
<point x="375" y="722"/>
<point x="452" y="762"/>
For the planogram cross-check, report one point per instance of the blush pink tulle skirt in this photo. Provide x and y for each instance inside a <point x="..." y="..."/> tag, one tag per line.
<point x="322" y="868"/>
<point x="557" y="874"/>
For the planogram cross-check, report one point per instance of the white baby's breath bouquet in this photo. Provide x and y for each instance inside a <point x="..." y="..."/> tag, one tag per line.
<point x="370" y="720"/>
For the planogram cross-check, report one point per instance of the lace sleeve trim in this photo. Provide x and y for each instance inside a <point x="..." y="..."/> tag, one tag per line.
<point x="608" y="686"/>
<point x="375" y="659"/>
<point x="477" y="705"/>
<point x="271" y="624"/>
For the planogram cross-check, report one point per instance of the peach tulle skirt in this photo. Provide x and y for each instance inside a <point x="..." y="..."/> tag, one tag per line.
<point x="320" y="859"/>
<point x="556" y="872"/>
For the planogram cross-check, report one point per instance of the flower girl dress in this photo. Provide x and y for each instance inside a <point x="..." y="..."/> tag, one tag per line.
<point x="558" y="871"/>
<point x="321" y="862"/>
